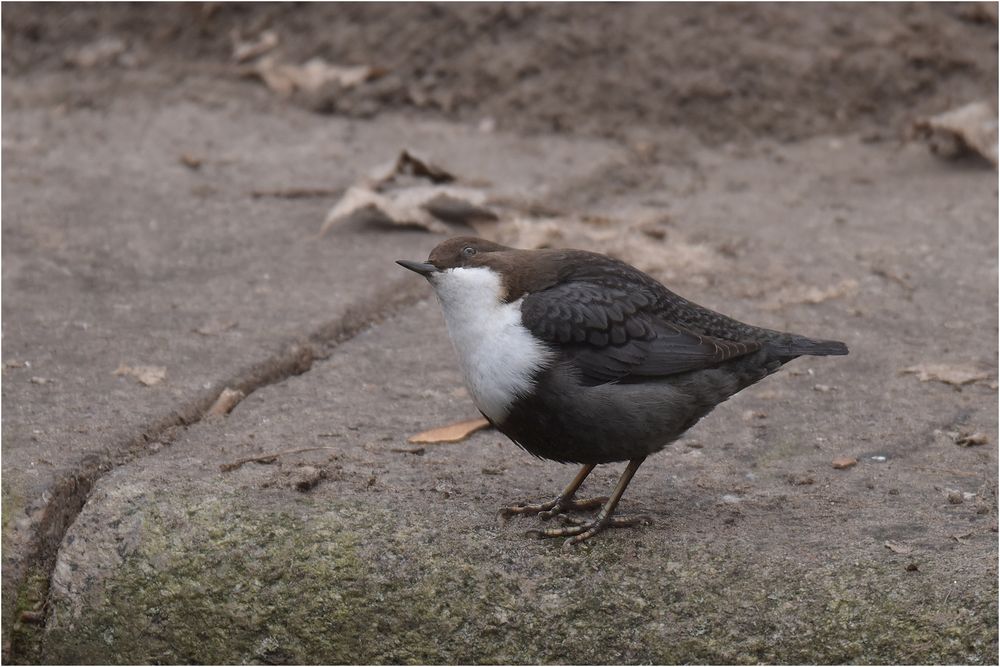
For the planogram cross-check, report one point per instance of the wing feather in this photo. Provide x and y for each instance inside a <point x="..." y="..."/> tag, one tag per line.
<point x="611" y="334"/>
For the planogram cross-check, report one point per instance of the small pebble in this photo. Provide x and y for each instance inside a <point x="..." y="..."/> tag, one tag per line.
<point x="844" y="462"/>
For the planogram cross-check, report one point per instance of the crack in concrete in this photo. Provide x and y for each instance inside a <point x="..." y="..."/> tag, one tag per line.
<point x="68" y="495"/>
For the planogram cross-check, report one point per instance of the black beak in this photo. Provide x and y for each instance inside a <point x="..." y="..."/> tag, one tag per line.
<point x="423" y="268"/>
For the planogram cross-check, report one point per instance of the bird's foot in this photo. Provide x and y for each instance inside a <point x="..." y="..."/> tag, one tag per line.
<point x="553" y="507"/>
<point x="577" y="530"/>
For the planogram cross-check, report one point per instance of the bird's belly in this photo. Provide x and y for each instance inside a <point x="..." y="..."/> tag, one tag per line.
<point x="564" y="421"/>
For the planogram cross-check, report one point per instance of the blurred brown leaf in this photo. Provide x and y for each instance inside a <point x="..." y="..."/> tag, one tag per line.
<point x="284" y="79"/>
<point x="147" y="375"/>
<point x="451" y="433"/>
<point x="971" y="128"/>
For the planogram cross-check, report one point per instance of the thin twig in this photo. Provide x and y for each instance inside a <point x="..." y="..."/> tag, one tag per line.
<point x="296" y="193"/>
<point x="267" y="458"/>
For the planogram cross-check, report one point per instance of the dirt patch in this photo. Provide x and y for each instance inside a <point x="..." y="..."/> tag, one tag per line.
<point x="723" y="72"/>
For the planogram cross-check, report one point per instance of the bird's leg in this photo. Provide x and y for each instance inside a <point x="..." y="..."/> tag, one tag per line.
<point x="562" y="503"/>
<point x="585" y="530"/>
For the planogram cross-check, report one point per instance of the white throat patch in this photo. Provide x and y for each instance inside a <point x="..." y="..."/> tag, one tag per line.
<point x="498" y="355"/>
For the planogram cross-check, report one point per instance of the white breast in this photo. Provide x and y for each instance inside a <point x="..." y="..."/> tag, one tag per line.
<point x="499" y="357"/>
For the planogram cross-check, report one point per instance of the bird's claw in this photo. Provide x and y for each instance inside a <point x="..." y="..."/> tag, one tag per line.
<point x="553" y="508"/>
<point x="577" y="531"/>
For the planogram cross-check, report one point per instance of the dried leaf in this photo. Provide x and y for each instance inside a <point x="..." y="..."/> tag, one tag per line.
<point x="147" y="375"/>
<point x="99" y="52"/>
<point x="285" y="79"/>
<point x="949" y="374"/>
<point x="972" y="439"/>
<point x="898" y="547"/>
<point x="410" y="192"/>
<point x="227" y="400"/>
<point x="191" y="161"/>
<point x="244" y="50"/>
<point x="844" y="462"/>
<point x="971" y="128"/>
<point x="408" y="164"/>
<point x="365" y="206"/>
<point x="452" y="433"/>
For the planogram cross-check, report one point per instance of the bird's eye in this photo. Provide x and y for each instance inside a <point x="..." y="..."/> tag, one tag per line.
<point x="469" y="251"/>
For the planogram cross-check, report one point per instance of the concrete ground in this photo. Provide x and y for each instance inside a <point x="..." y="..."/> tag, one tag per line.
<point x="131" y="236"/>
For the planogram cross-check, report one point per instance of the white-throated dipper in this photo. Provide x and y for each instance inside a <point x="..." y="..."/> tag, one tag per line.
<point x="581" y="358"/>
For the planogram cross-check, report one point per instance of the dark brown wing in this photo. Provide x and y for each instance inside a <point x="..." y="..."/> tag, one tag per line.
<point x="610" y="332"/>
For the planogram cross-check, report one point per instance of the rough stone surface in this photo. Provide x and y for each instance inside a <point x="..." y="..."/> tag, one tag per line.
<point x="132" y="149"/>
<point x="116" y="253"/>
<point x="760" y="551"/>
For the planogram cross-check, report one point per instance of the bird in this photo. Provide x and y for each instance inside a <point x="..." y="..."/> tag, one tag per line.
<point x="581" y="358"/>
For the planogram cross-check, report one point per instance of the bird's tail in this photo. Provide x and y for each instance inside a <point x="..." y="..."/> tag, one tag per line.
<point x="796" y="346"/>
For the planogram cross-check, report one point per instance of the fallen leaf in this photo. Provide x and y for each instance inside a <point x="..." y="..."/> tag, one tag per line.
<point x="147" y="375"/>
<point x="949" y="374"/>
<point x="972" y="439"/>
<point x="227" y="400"/>
<point x="898" y="547"/>
<point x="191" y="161"/>
<point x="99" y="52"/>
<point x="364" y="206"/>
<point x="844" y="462"/>
<point x="244" y="50"/>
<point x="284" y="79"/>
<point x="452" y="433"/>
<point x="410" y="192"/>
<point x="971" y="128"/>
<point x="409" y="164"/>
